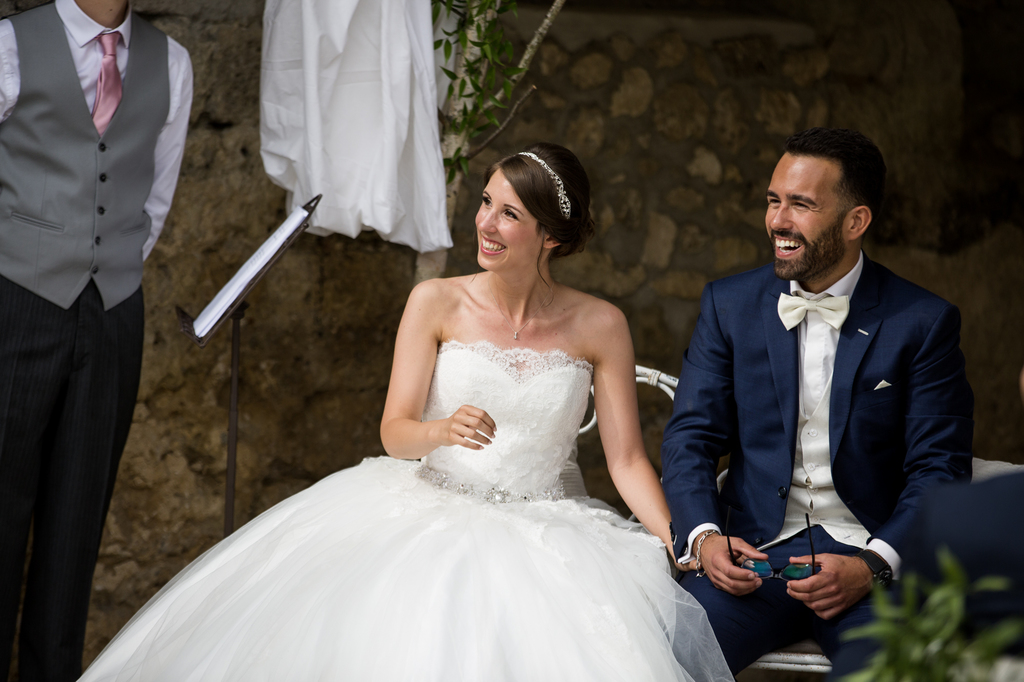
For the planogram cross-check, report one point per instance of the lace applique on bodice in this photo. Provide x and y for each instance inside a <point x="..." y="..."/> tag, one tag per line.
<point x="537" y="400"/>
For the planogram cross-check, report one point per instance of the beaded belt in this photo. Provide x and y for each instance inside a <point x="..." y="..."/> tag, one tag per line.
<point x="493" y="495"/>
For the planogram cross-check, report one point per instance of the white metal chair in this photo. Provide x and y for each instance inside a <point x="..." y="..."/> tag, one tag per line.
<point x="644" y="375"/>
<point x="805" y="656"/>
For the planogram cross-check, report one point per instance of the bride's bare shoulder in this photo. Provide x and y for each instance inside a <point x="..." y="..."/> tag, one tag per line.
<point x="440" y="303"/>
<point x="598" y="329"/>
<point x="441" y="291"/>
<point x="593" y="314"/>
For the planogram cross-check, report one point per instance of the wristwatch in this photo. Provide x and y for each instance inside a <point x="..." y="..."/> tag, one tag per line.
<point x="879" y="568"/>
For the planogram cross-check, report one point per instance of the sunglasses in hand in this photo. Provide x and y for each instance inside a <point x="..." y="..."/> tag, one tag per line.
<point x="764" y="570"/>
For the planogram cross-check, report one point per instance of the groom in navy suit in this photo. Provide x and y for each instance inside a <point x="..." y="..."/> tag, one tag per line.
<point x="838" y="391"/>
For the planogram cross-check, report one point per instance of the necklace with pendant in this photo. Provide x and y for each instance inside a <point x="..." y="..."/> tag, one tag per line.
<point x="515" y="332"/>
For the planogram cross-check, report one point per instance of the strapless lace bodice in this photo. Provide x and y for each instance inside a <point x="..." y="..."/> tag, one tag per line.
<point x="537" y="400"/>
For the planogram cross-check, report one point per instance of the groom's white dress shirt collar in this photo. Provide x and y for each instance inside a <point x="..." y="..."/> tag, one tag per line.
<point x="844" y="287"/>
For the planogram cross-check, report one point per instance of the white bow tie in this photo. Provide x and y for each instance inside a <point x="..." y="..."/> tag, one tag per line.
<point x="833" y="309"/>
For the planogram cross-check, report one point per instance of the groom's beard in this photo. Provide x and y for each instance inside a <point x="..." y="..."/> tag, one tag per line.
<point x="819" y="258"/>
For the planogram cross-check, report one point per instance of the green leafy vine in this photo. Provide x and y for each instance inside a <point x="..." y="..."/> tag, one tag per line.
<point x="483" y="73"/>
<point x="478" y="60"/>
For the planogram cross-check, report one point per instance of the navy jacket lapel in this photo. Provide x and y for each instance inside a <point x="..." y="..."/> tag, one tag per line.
<point x="784" y="356"/>
<point x="858" y="332"/>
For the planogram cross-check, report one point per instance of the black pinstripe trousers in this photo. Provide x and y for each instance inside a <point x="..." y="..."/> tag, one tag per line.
<point x="68" y="384"/>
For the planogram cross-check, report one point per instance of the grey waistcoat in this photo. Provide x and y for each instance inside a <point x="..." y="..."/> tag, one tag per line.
<point x="71" y="202"/>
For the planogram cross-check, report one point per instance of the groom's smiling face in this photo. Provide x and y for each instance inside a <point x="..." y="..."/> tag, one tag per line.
<point x="805" y="220"/>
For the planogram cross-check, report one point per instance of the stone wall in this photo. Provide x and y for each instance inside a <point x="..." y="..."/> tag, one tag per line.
<point x="679" y="119"/>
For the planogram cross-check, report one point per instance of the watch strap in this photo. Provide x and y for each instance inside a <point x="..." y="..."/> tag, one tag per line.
<point x="878" y="566"/>
<point x="876" y="563"/>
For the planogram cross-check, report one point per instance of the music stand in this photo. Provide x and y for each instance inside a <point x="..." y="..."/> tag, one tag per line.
<point x="230" y="302"/>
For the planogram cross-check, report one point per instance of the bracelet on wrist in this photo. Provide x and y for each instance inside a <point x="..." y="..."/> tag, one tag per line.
<point x="696" y="552"/>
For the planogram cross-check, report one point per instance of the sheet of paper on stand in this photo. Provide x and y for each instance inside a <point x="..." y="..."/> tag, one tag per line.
<point x="230" y="292"/>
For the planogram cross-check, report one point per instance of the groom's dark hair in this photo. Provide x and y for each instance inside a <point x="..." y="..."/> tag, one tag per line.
<point x="863" y="168"/>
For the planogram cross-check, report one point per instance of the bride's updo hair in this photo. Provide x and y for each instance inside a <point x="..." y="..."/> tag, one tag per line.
<point x="539" y="193"/>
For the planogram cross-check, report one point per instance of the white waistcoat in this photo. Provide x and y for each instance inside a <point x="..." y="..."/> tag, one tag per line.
<point x="812" y="491"/>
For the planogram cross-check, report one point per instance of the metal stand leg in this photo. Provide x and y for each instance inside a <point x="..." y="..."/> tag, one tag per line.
<point x="229" y="478"/>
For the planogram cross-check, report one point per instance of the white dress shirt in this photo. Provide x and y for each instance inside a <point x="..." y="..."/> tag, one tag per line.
<point x="348" y="109"/>
<point x="813" y="491"/>
<point x="86" y="52"/>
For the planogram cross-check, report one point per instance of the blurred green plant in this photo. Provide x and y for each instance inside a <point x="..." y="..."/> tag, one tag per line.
<point x="926" y="641"/>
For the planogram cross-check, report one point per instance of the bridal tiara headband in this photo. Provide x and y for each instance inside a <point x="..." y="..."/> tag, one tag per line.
<point x="563" y="200"/>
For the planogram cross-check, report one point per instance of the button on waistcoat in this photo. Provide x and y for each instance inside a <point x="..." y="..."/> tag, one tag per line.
<point x="71" y="202"/>
<point x="812" y="491"/>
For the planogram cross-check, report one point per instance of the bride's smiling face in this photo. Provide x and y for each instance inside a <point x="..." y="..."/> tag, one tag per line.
<point x="506" y="232"/>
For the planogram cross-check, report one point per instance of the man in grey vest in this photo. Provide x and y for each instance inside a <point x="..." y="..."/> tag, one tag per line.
<point x="94" y="107"/>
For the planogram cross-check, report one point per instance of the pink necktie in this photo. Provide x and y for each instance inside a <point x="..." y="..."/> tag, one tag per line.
<point x="108" y="88"/>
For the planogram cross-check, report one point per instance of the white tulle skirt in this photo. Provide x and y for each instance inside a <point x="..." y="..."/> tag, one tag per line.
<point x="374" y="574"/>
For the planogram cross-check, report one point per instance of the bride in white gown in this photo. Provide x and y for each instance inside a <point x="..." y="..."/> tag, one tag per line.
<point x="470" y="564"/>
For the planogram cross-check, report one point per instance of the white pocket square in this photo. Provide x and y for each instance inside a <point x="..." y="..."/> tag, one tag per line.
<point x="882" y="384"/>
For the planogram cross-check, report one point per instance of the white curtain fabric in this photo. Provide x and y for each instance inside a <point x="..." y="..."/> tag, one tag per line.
<point x="348" y="109"/>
